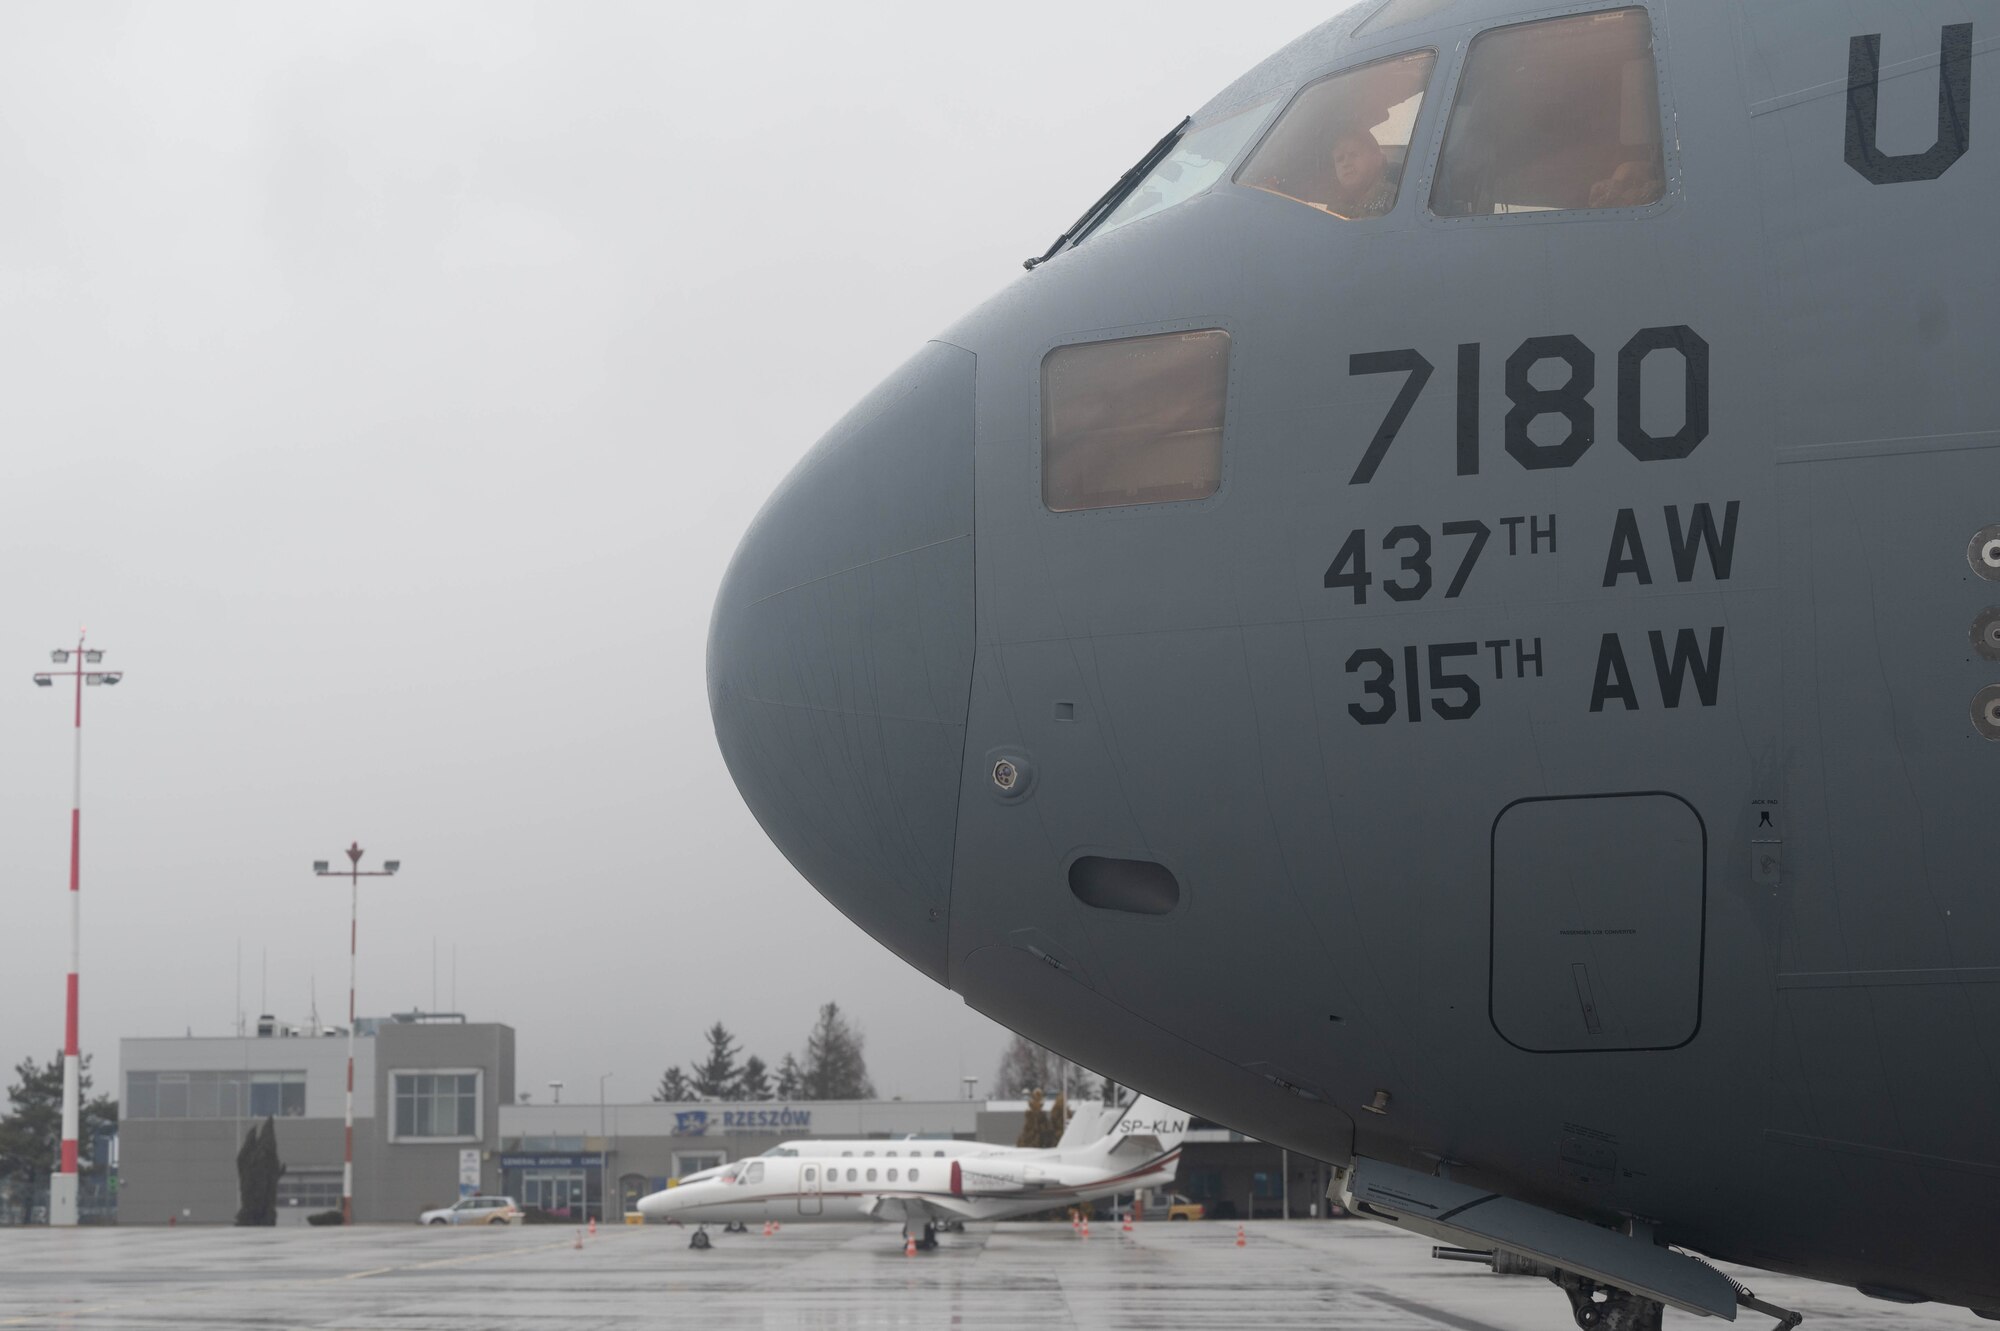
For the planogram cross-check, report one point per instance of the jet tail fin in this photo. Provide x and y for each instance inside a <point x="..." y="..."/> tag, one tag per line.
<point x="1147" y="1129"/>
<point x="1089" y="1122"/>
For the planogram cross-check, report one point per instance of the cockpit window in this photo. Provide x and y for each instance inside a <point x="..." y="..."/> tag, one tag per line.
<point x="1562" y="113"/>
<point x="1133" y="421"/>
<point x="754" y="1172"/>
<point x="1342" y="144"/>
<point x="1195" y="163"/>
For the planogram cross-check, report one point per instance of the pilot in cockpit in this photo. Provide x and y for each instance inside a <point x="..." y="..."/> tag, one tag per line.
<point x="1363" y="185"/>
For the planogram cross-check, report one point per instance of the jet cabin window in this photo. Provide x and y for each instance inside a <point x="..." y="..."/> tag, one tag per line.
<point x="1195" y="163"/>
<point x="1562" y="113"/>
<point x="1133" y="421"/>
<point x="1342" y="144"/>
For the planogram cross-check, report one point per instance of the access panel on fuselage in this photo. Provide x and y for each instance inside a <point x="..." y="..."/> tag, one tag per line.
<point x="1598" y="904"/>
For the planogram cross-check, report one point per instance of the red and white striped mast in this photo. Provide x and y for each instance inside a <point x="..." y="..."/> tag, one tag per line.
<point x="354" y="875"/>
<point x="63" y="1184"/>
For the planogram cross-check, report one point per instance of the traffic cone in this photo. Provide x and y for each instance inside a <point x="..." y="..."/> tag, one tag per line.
<point x="767" y="1229"/>
<point x="1239" y="1236"/>
<point x="909" y="1245"/>
<point x="1128" y="1222"/>
<point x="593" y="1226"/>
<point x="1085" y="1229"/>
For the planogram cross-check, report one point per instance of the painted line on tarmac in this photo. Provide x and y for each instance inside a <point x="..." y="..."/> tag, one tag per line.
<point x="287" y="1284"/>
<point x="444" y="1261"/>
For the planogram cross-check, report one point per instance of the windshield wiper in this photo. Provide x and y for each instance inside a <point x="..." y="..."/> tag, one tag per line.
<point x="1113" y="196"/>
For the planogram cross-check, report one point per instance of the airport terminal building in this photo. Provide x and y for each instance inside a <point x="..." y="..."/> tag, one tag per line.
<point x="437" y="1116"/>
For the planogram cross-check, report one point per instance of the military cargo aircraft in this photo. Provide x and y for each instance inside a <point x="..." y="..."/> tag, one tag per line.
<point x="1485" y="544"/>
<point x="1136" y="1149"/>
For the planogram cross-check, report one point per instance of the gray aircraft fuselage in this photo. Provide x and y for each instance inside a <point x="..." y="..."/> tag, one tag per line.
<point x="1594" y="798"/>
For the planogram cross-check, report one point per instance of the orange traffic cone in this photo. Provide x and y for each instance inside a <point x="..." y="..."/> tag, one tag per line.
<point x="767" y="1229"/>
<point x="1085" y="1229"/>
<point x="593" y="1226"/>
<point x="1128" y="1222"/>
<point x="1239" y="1236"/>
<point x="909" y="1245"/>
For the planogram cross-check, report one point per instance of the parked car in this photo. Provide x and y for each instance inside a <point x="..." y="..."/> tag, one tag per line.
<point x="1161" y="1206"/>
<point x="473" y="1211"/>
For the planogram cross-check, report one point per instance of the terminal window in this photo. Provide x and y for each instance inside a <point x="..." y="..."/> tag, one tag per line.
<point x="209" y="1095"/>
<point x="436" y="1105"/>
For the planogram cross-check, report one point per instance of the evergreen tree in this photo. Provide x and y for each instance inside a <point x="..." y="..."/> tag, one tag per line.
<point x="835" y="1068"/>
<point x="1058" y="1120"/>
<point x="674" y="1087"/>
<point x="714" y="1078"/>
<point x="1034" y="1123"/>
<point x="31" y="1135"/>
<point x="791" y="1078"/>
<point x="754" y="1082"/>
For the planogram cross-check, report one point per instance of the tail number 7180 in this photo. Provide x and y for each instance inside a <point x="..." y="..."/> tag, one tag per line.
<point x="1569" y="399"/>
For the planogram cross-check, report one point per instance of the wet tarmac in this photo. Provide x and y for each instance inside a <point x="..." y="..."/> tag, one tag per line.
<point x="1346" y="1274"/>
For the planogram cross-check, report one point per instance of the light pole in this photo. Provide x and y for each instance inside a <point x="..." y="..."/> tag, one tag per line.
<point x="603" y="1153"/>
<point x="62" y="1185"/>
<point x="555" y="1089"/>
<point x="354" y="874"/>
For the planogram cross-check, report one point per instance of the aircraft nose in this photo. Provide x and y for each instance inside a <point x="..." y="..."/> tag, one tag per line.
<point x="840" y="655"/>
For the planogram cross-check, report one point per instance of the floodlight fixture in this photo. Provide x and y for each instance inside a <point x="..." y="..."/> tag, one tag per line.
<point x="43" y="681"/>
<point x="390" y="866"/>
<point x="92" y="655"/>
<point x="94" y="678"/>
<point x="60" y="655"/>
<point x="113" y="676"/>
<point x="319" y="866"/>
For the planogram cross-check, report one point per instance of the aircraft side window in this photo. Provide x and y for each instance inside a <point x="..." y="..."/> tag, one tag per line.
<point x="871" y="1176"/>
<point x="913" y="1174"/>
<point x="850" y="1176"/>
<point x="1561" y="113"/>
<point x="1342" y="145"/>
<point x="892" y="1176"/>
<point x="1136" y="420"/>
<point x="938" y="1154"/>
<point x="811" y="1174"/>
<point x="847" y="1153"/>
<point x="755" y="1173"/>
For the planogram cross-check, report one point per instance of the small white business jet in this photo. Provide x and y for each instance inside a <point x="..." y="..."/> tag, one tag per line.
<point x="1140" y="1149"/>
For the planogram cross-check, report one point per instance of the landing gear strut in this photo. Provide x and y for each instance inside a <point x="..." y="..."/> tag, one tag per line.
<point x="1606" y="1307"/>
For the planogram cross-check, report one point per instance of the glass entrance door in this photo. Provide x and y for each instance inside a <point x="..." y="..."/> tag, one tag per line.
<point x="556" y="1191"/>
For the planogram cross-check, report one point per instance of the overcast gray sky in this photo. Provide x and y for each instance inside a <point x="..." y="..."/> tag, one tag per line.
<point x="386" y="386"/>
